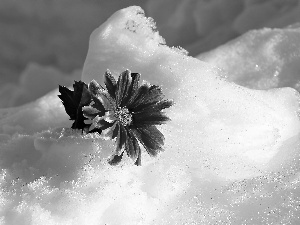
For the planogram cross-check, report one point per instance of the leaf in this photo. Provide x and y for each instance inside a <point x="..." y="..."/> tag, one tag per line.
<point x="73" y="102"/>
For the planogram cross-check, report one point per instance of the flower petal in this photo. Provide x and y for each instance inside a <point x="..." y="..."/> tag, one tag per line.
<point x="151" y="138"/>
<point x="149" y="118"/>
<point x="115" y="131"/>
<point x="122" y="86"/>
<point x="103" y="124"/>
<point x="90" y="112"/>
<point x="129" y="146"/>
<point x="95" y="88"/>
<point x="140" y="93"/>
<point x="132" y="146"/>
<point x="121" y="140"/>
<point x="99" y="125"/>
<point x="153" y="96"/>
<point x="132" y="88"/>
<point x="156" y="106"/>
<point x="97" y="104"/>
<point x="95" y="130"/>
<point x="116" y="159"/>
<point x="138" y="161"/>
<point x="108" y="132"/>
<point x="110" y="83"/>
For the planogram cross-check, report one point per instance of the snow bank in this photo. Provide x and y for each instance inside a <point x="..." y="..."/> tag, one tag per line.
<point x="231" y="153"/>
<point x="270" y="58"/>
<point x="199" y="26"/>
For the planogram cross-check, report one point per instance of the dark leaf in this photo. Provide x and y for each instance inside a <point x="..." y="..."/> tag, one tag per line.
<point x="73" y="102"/>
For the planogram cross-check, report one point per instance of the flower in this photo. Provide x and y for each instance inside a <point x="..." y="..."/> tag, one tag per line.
<point x="129" y="113"/>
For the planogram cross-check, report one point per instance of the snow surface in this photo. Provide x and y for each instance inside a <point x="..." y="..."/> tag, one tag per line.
<point x="231" y="153"/>
<point x="270" y="58"/>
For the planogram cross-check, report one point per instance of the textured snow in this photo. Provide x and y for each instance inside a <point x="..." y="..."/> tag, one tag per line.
<point x="231" y="153"/>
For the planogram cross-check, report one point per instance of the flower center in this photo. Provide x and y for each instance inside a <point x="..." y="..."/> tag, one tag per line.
<point x="123" y="115"/>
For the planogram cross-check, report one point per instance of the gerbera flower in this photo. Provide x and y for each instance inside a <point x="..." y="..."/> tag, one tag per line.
<point x="129" y="113"/>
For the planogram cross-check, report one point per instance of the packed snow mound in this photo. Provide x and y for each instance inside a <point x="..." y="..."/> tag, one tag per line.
<point x="270" y="58"/>
<point x="204" y="101"/>
<point x="199" y="26"/>
<point x="231" y="153"/>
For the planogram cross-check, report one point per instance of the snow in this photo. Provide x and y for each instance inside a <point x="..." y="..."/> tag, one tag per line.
<point x="270" y="58"/>
<point x="35" y="81"/>
<point x="231" y="153"/>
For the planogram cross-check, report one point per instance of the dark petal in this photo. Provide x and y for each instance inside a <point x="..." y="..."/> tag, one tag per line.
<point x="156" y="107"/>
<point x="107" y="101"/>
<point x="138" y="161"/>
<point x="132" y="88"/>
<point x="103" y="125"/>
<point x="95" y="130"/>
<point x="97" y="104"/>
<point x="116" y="131"/>
<point x="115" y="160"/>
<point x="129" y="146"/>
<point x="122" y="86"/>
<point x="149" y="118"/>
<point x="127" y="88"/>
<point x="151" y="138"/>
<point x="121" y="139"/>
<point x="89" y="112"/>
<point x="132" y="146"/>
<point x="110" y="84"/>
<point x="140" y="93"/>
<point x="95" y="88"/>
<point x="153" y="96"/>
